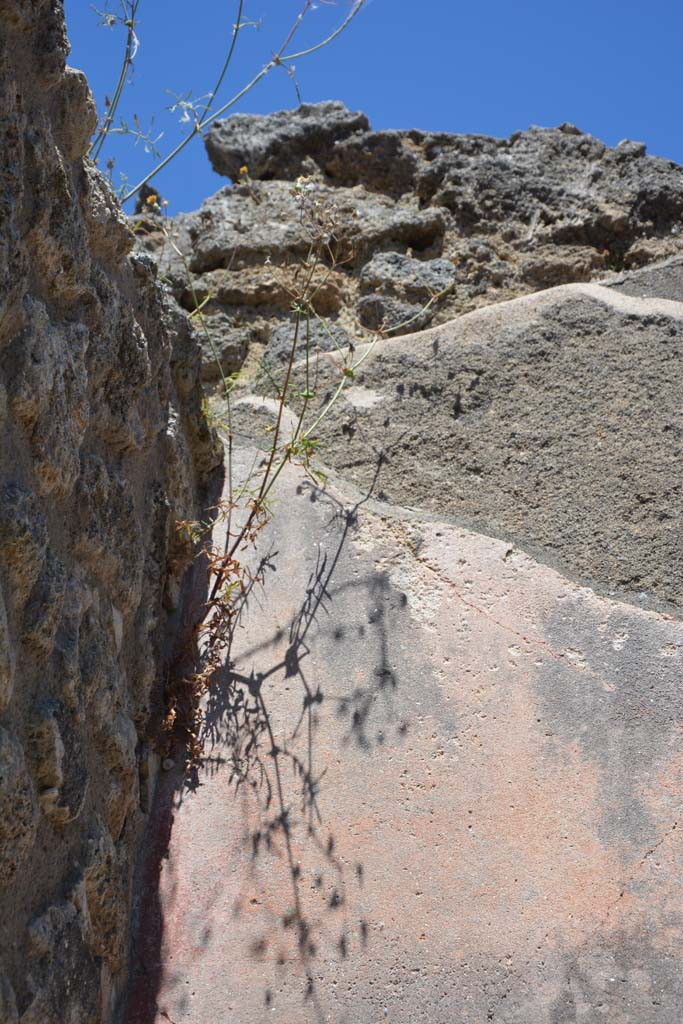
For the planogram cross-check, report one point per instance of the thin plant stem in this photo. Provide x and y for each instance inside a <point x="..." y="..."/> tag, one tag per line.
<point x="266" y="485"/>
<point x="277" y="59"/>
<point x="340" y="387"/>
<point x="103" y="132"/>
<point x="307" y="391"/>
<point x="228" y="60"/>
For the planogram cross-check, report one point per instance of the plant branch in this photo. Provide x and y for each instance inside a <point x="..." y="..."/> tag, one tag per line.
<point x="131" y="39"/>
<point x="278" y="59"/>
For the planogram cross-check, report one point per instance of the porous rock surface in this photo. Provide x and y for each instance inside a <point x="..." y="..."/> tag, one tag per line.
<point x="104" y="447"/>
<point x="553" y="420"/>
<point x="430" y="225"/>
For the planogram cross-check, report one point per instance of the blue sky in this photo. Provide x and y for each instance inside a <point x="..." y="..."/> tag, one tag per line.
<point x="613" y="68"/>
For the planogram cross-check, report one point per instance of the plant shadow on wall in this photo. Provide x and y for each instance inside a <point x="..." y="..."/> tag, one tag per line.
<point x="266" y="728"/>
<point x="276" y="717"/>
<point x="261" y="717"/>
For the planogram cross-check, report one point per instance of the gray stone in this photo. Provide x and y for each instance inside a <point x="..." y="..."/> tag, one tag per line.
<point x="74" y="134"/>
<point x="546" y="207"/>
<point x="399" y="294"/>
<point x="554" y="421"/>
<point x="225" y="347"/>
<point x="57" y="758"/>
<point x="47" y="749"/>
<point x="65" y="980"/>
<point x="111" y="539"/>
<point x="107" y="894"/>
<point x="118" y="741"/>
<point x="44" y="606"/>
<point x="319" y="337"/>
<point x="108" y="230"/>
<point x="243" y="227"/>
<point x="390" y="316"/>
<point x="661" y="281"/>
<point x="557" y="185"/>
<point x="382" y="161"/>
<point x="18" y="812"/>
<point x="280" y="145"/>
<point x="396" y="273"/>
<point x="48" y="396"/>
<point x="23" y="540"/>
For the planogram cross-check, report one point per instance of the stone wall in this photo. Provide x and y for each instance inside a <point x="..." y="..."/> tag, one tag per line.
<point x="104" y="447"/>
<point x="429" y="225"/>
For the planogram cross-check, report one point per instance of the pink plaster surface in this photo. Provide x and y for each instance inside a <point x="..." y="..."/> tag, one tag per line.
<point x="481" y="800"/>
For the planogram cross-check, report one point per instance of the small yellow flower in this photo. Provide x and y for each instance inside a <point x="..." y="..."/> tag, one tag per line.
<point x="152" y="200"/>
<point x="244" y="170"/>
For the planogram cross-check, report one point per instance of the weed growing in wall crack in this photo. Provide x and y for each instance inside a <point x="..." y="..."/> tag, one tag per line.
<point x="280" y="774"/>
<point x="256" y="758"/>
<point x="298" y="411"/>
<point x="247" y="508"/>
<point x="237" y="566"/>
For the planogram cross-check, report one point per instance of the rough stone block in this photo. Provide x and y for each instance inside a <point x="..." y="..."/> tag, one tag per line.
<point x="105" y="445"/>
<point x="48" y="395"/>
<point x="396" y="273"/>
<point x="23" y="540"/>
<point x="391" y="315"/>
<point x="18" y="812"/>
<point x="106" y="887"/>
<point x="281" y="145"/>
<point x="111" y="539"/>
<point x="44" y="606"/>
